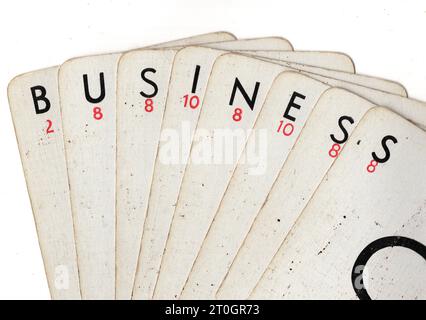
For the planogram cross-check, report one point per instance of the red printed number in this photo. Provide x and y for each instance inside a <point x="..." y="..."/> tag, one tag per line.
<point x="334" y="151"/>
<point x="238" y="114"/>
<point x="192" y="101"/>
<point x="287" y="129"/>
<point x="97" y="113"/>
<point x="149" y="105"/>
<point x="372" y="166"/>
<point x="49" y="127"/>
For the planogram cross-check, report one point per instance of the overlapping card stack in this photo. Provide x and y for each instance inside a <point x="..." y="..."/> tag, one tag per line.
<point x="217" y="168"/>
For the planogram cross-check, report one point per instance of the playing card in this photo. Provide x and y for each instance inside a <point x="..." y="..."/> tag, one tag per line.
<point x="34" y="104"/>
<point x="87" y="87"/>
<point x="143" y="78"/>
<point x="207" y="181"/>
<point x="330" y="124"/>
<point x="362" y="235"/>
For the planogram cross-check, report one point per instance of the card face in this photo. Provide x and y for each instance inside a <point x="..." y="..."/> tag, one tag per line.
<point x="34" y="104"/>
<point x="267" y="43"/>
<point x="329" y="60"/>
<point x="286" y="108"/>
<point x="325" y="132"/>
<point x="232" y="102"/>
<point x="363" y="233"/>
<point x="143" y="79"/>
<point x="89" y="117"/>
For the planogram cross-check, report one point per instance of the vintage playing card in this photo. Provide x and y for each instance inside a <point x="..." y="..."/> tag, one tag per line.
<point x="143" y="78"/>
<point x="34" y="104"/>
<point x="287" y="107"/>
<point x="211" y="184"/>
<point x="330" y="124"/>
<point x="88" y="116"/>
<point x="363" y="233"/>
<point x="87" y="88"/>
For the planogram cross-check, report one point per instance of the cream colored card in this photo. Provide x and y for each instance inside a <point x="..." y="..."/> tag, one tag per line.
<point x="328" y="59"/>
<point x="88" y="117"/>
<point x="181" y="248"/>
<point x="363" y="234"/>
<point x="330" y="125"/>
<point x="142" y="85"/>
<point x="287" y="106"/>
<point x="34" y="104"/>
<point x="266" y="44"/>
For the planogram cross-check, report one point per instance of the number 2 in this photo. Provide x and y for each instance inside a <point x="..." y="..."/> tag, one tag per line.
<point x="49" y="127"/>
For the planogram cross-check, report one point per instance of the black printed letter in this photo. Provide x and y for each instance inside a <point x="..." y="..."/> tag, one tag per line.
<point x="345" y="132"/>
<point x="37" y="98"/>
<point x="291" y="104"/>
<point x="86" y="89"/>
<point x="238" y="85"/>
<point x="152" y="83"/>
<point x="385" y="147"/>
<point x="195" y="82"/>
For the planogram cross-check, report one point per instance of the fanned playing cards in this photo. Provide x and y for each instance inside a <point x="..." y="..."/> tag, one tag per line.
<point x="212" y="167"/>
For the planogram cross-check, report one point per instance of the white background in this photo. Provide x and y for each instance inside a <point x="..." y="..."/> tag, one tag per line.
<point x="385" y="38"/>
